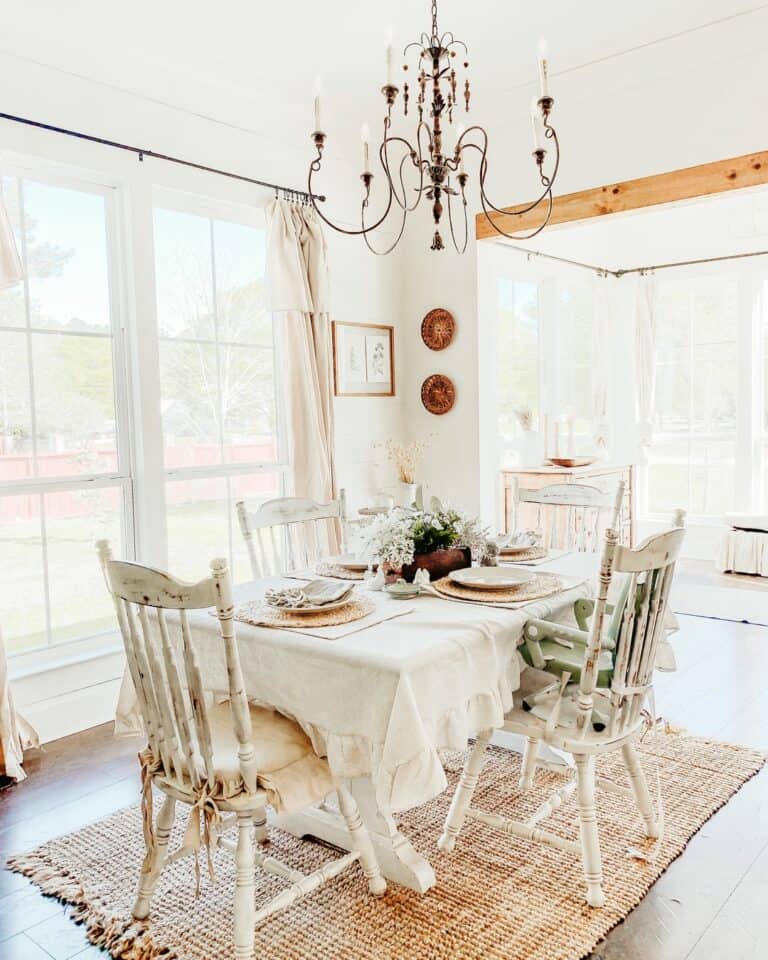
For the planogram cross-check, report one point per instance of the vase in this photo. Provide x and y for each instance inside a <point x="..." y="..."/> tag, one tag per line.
<point x="438" y="563"/>
<point x="529" y="449"/>
<point x="410" y="494"/>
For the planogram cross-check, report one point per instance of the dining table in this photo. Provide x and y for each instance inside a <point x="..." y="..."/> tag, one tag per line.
<point x="382" y="698"/>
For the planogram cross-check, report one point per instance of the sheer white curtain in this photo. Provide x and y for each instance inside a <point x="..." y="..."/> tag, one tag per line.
<point x="297" y="292"/>
<point x="15" y="733"/>
<point x="645" y="357"/>
<point x="602" y="341"/>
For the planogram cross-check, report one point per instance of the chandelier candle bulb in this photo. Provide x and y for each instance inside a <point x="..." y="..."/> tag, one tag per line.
<point x="543" y="68"/>
<point x="538" y="130"/>
<point x="389" y="57"/>
<point x="318" y="116"/>
<point x="365" y="136"/>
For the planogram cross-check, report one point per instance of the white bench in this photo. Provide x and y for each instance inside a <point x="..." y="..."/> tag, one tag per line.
<point x="745" y="544"/>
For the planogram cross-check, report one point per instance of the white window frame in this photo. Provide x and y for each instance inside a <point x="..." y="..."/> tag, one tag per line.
<point x="123" y="478"/>
<point x="212" y="210"/>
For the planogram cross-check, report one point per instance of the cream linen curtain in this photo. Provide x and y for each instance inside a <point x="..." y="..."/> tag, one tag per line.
<point x="645" y="358"/>
<point x="15" y="733"/>
<point x="297" y="291"/>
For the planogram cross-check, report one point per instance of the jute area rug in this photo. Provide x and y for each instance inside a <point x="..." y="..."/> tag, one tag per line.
<point x="495" y="897"/>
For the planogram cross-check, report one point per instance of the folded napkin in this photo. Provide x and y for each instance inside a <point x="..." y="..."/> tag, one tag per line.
<point x="521" y="538"/>
<point x="316" y="593"/>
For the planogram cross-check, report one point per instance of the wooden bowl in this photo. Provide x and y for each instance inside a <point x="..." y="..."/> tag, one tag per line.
<point x="573" y="461"/>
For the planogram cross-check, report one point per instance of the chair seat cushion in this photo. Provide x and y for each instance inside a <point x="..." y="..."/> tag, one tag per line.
<point x="289" y="770"/>
<point x="562" y="659"/>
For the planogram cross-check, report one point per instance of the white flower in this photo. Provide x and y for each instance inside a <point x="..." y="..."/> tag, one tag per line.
<point x="388" y="540"/>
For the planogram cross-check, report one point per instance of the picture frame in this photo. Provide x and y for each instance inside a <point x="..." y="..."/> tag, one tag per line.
<point x="363" y="359"/>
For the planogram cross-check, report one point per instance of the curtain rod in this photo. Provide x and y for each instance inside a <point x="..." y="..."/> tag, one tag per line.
<point x="606" y="272"/>
<point x="288" y="192"/>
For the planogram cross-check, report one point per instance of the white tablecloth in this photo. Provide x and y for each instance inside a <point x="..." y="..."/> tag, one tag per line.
<point x="381" y="703"/>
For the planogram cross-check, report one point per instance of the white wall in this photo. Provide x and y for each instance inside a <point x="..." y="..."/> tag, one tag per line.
<point x="74" y="693"/>
<point x="676" y="103"/>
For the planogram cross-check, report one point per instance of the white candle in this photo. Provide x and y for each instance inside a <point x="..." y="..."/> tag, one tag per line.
<point x="365" y="136"/>
<point x="557" y="439"/>
<point x="389" y="56"/>
<point x="571" y="438"/>
<point x="318" y="116"/>
<point x="538" y="132"/>
<point x="543" y="68"/>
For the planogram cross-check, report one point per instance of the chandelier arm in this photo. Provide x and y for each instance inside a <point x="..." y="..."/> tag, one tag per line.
<point x="382" y="253"/>
<point x="384" y="157"/>
<point x="518" y="236"/>
<point x="466" y="224"/>
<point x="313" y="168"/>
<point x="548" y="181"/>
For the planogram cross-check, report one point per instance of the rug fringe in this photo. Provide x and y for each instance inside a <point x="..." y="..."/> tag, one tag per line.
<point x="124" y="939"/>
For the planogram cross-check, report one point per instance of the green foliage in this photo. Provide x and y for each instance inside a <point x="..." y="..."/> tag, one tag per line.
<point x="435" y="531"/>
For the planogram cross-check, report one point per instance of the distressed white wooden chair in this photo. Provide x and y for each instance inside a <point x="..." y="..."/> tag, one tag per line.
<point x="291" y="533"/>
<point x="568" y="514"/>
<point x="228" y="758"/>
<point x="614" y="692"/>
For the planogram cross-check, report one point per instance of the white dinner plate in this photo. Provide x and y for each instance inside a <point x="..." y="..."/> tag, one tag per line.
<point x="350" y="562"/>
<point x="490" y="578"/>
<point x="315" y="608"/>
<point x="515" y="549"/>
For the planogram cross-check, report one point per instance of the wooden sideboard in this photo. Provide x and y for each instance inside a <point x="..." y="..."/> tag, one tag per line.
<point x="598" y="475"/>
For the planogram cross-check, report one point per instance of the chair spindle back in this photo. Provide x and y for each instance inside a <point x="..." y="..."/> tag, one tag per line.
<point x="290" y="533"/>
<point x="650" y="568"/>
<point x="172" y="696"/>
<point x="568" y="514"/>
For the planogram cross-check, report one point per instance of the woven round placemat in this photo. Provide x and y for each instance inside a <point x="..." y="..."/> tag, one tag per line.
<point x="542" y="585"/>
<point x="259" y="615"/>
<point x="339" y="573"/>
<point x="532" y="553"/>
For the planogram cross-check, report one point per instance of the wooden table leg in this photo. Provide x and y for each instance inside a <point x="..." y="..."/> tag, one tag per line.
<point x="398" y="860"/>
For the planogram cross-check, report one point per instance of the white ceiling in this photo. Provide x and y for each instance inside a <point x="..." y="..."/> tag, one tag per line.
<point x="253" y="63"/>
<point x="722" y="225"/>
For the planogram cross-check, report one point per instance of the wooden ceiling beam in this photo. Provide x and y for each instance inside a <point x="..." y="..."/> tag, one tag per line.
<point x="751" y="170"/>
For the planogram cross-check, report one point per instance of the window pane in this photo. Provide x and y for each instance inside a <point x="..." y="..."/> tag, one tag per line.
<point x="518" y="354"/>
<point x="66" y="258"/>
<point x="183" y="274"/>
<point x="74" y="405"/>
<point x="74" y="521"/>
<point x="248" y="404"/>
<point x="189" y="391"/>
<point x="22" y="598"/>
<point x="240" y="253"/>
<point x="712" y="477"/>
<point x="198" y="525"/>
<point x="16" y="455"/>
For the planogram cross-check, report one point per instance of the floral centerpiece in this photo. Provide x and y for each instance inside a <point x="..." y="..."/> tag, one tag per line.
<point x="438" y="540"/>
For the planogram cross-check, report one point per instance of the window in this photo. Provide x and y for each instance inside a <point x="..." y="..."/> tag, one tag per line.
<point x="65" y="476"/>
<point x="692" y="461"/>
<point x="518" y="354"/>
<point x="544" y="352"/>
<point x="220" y="416"/>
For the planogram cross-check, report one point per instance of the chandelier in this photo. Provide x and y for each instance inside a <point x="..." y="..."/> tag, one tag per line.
<point x="426" y="167"/>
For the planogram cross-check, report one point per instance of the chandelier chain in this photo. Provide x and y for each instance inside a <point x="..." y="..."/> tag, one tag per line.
<point x="435" y="36"/>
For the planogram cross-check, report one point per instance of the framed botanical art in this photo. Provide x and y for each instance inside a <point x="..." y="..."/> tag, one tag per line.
<point x="363" y="360"/>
